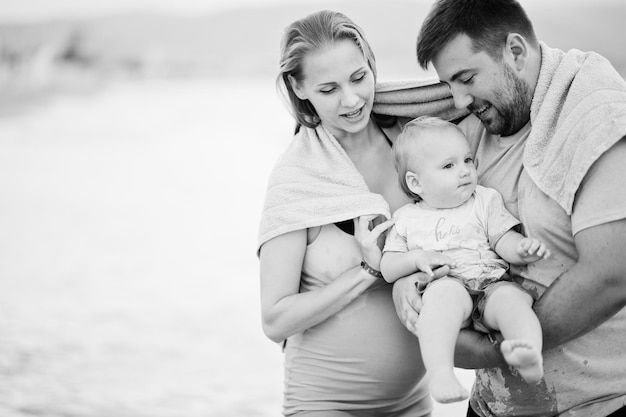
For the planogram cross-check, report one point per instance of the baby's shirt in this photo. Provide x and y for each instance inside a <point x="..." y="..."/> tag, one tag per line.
<point x="467" y="233"/>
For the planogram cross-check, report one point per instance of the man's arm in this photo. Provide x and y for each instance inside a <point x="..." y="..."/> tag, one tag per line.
<point x="473" y="350"/>
<point x="592" y="291"/>
<point x="580" y="300"/>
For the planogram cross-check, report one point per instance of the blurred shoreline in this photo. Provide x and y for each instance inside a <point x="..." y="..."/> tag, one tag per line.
<point x="81" y="55"/>
<point x="120" y="295"/>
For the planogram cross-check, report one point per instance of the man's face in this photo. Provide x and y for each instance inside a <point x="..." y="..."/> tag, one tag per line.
<point x="489" y="88"/>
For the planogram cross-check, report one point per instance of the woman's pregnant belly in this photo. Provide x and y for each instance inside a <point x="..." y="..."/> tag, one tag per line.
<point x="362" y="354"/>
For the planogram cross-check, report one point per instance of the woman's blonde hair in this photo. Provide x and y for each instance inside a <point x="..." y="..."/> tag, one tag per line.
<point x="307" y="35"/>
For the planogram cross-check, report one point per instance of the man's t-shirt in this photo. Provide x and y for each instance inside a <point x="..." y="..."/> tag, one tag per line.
<point x="586" y="376"/>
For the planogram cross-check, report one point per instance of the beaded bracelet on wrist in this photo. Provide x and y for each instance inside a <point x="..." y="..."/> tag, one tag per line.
<point x="371" y="270"/>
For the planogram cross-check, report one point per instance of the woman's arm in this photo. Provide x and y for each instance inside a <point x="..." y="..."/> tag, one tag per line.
<point x="284" y="309"/>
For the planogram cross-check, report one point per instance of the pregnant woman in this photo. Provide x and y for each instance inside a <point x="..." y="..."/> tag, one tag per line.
<point x="326" y="209"/>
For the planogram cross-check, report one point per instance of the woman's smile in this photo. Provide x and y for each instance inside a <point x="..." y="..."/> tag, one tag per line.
<point x="354" y="115"/>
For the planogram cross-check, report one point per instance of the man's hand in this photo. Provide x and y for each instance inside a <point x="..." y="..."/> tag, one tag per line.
<point x="473" y="350"/>
<point x="408" y="301"/>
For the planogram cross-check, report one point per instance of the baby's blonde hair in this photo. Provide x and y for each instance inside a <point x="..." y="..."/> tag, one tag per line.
<point x="406" y="147"/>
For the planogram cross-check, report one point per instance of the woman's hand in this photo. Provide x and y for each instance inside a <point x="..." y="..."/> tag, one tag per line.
<point x="407" y="299"/>
<point x="369" y="238"/>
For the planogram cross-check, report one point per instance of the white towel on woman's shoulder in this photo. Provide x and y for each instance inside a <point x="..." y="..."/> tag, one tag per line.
<point x="315" y="183"/>
<point x="578" y="112"/>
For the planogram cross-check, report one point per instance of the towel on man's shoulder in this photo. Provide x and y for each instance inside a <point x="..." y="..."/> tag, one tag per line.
<point x="578" y="112"/>
<point x="315" y="183"/>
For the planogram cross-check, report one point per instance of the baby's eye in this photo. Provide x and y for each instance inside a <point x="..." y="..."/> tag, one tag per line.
<point x="448" y="166"/>
<point x="469" y="160"/>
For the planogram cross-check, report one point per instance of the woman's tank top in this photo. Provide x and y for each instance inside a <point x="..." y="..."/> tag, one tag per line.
<point x="362" y="358"/>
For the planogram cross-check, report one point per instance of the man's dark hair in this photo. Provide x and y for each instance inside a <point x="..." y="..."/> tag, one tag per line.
<point x="486" y="22"/>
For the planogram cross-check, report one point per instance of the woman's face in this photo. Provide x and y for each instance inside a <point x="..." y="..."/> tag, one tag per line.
<point x="340" y="85"/>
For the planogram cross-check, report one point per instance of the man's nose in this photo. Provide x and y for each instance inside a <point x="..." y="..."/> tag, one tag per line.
<point x="462" y="99"/>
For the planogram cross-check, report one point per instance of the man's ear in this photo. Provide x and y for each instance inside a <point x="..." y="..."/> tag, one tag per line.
<point x="296" y="88"/>
<point x="516" y="51"/>
<point x="413" y="182"/>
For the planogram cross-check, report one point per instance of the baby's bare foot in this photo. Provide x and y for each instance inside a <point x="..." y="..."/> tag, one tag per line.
<point x="523" y="356"/>
<point x="445" y="388"/>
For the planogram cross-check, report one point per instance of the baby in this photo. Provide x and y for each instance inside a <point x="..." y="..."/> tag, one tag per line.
<point x="458" y="223"/>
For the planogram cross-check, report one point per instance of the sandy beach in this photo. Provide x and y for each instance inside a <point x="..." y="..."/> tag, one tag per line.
<point x="127" y="259"/>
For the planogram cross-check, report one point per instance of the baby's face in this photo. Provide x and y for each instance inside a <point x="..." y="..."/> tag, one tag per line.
<point x="445" y="169"/>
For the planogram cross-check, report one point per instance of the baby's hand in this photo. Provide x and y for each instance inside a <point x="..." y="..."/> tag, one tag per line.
<point x="426" y="260"/>
<point x="532" y="250"/>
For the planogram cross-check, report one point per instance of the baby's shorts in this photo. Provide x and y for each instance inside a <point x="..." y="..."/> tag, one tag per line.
<point x="479" y="299"/>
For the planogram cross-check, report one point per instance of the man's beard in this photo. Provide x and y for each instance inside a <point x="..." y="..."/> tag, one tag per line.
<point x="513" y="105"/>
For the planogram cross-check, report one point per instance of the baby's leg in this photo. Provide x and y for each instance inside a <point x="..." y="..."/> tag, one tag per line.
<point x="509" y="309"/>
<point x="446" y="306"/>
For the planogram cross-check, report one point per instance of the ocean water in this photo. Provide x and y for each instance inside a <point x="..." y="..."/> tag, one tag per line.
<point x="128" y="273"/>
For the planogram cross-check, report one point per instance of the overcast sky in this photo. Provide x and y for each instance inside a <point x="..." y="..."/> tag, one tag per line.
<point x="33" y="10"/>
<point x="44" y="9"/>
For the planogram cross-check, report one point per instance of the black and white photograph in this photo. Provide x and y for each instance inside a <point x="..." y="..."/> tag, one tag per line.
<point x="351" y="208"/>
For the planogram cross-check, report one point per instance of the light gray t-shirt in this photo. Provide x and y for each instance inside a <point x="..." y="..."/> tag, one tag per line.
<point x="586" y="376"/>
<point x="468" y="234"/>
